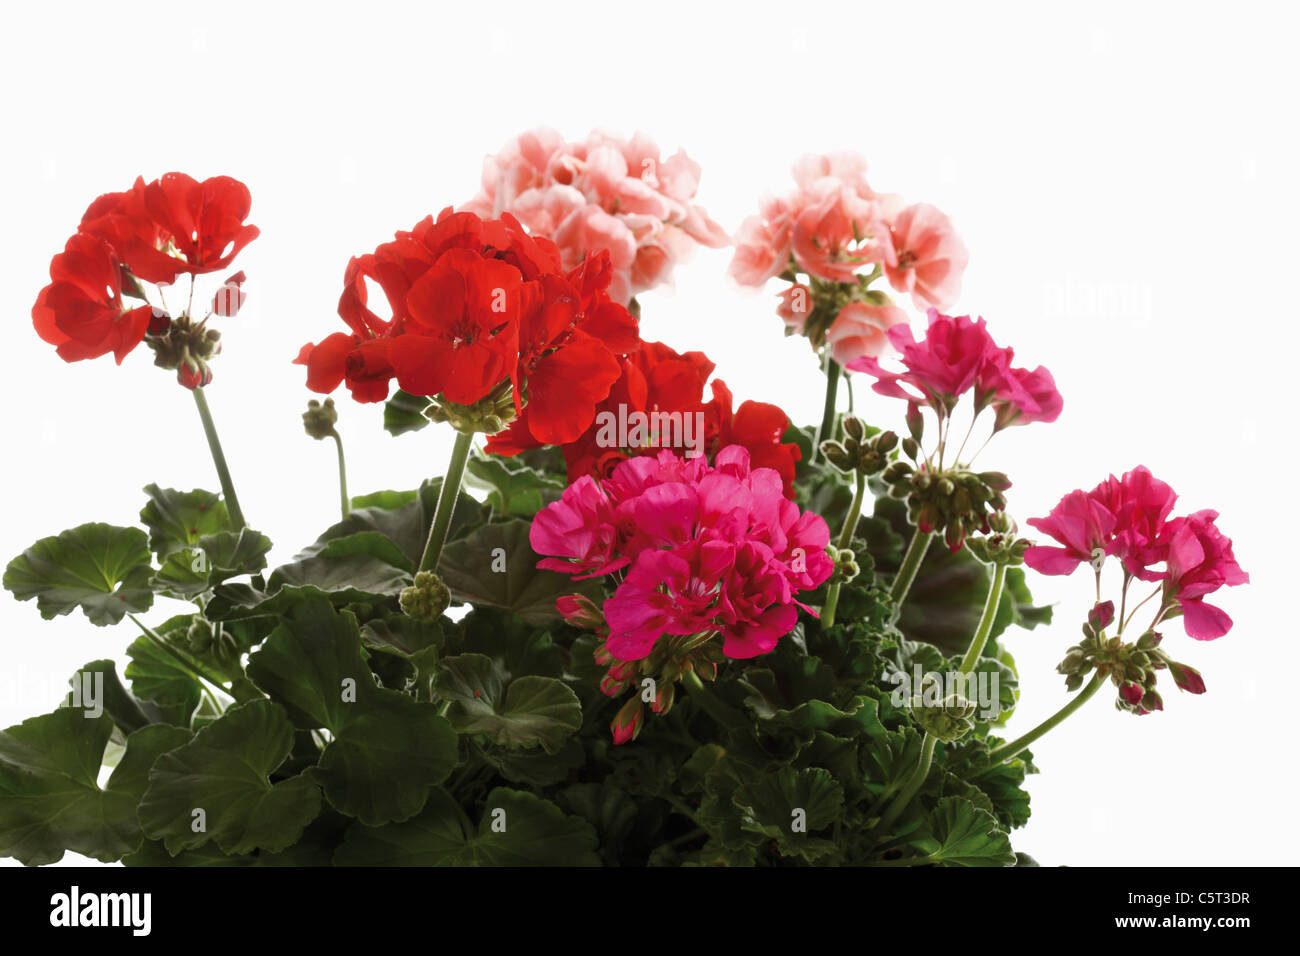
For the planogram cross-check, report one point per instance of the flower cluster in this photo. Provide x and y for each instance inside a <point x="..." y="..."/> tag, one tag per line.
<point x="702" y="547"/>
<point x="1129" y="518"/>
<point x="479" y="307"/>
<point x="607" y="193"/>
<point x="154" y="233"/>
<point x="958" y="356"/>
<point x="701" y="551"/>
<point x="659" y="385"/>
<point x="830" y="228"/>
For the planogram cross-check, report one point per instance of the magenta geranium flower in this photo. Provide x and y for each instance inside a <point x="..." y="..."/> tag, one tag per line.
<point x="1200" y="561"/>
<point x="704" y="548"/>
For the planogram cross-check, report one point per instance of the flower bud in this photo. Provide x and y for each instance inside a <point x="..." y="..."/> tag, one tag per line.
<point x="1187" y="678"/>
<point x="319" y="419"/>
<point x="1101" y="616"/>
<point x="886" y="442"/>
<point x="911" y="449"/>
<point x="626" y="724"/>
<point x="580" y="611"/>
<point x="426" y="598"/>
<point x="853" y="427"/>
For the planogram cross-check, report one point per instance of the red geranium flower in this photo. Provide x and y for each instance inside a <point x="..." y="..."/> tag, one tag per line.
<point x="81" y="310"/>
<point x="657" y="379"/>
<point x="475" y="302"/>
<point x="174" y="225"/>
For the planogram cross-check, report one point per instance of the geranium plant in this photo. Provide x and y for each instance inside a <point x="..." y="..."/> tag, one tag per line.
<point x="671" y="629"/>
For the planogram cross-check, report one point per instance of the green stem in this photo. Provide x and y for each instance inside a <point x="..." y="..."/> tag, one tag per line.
<point x="986" y="620"/>
<point x="190" y="666"/>
<point x="826" y="430"/>
<point x="219" y="459"/>
<point x="446" y="502"/>
<point x="846" y="538"/>
<point x="1007" y="751"/>
<point x="913" y="782"/>
<point x="345" y="503"/>
<point x="911" y="564"/>
<point x="710" y="704"/>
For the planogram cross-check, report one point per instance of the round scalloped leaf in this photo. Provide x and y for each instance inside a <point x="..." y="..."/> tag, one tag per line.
<point x="516" y="829"/>
<point x="101" y="568"/>
<point x="387" y="749"/>
<point x="50" y="801"/>
<point x="224" y="772"/>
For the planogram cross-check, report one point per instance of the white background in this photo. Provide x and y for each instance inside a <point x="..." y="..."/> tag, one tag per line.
<point x="1124" y="176"/>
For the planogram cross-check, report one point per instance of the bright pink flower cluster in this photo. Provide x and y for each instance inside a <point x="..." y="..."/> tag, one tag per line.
<point x="703" y="548"/>
<point x="605" y="192"/>
<point x="1128" y="518"/>
<point x="957" y="356"/>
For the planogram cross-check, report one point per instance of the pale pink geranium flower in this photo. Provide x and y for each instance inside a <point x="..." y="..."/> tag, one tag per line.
<point x="837" y="232"/>
<point x="930" y="257"/>
<point x="762" y="243"/>
<point x="860" y="330"/>
<point x="606" y="192"/>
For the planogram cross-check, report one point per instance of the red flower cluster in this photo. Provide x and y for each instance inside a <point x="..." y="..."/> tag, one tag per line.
<point x="476" y="303"/>
<point x="1129" y="518"/>
<point x="153" y="232"/>
<point x="657" y="381"/>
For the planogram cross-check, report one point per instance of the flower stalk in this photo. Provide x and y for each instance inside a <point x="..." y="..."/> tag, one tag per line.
<point x="345" y="503"/>
<point x="845" y="539"/>
<point x="1009" y="750"/>
<point x="446" y="501"/>
<point x="219" y="459"/>
<point x="911" y="564"/>
<point x="826" y="429"/>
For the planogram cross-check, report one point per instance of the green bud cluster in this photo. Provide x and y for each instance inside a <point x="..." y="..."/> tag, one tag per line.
<point x="1000" y="545"/>
<point x="319" y="419"/>
<point x="867" y="456"/>
<point x="949" y="720"/>
<point x="954" y="502"/>
<point x="184" y="345"/>
<point x="426" y="598"/>
<point x="488" y="415"/>
<point x="846" y="565"/>
<point x="1132" y="667"/>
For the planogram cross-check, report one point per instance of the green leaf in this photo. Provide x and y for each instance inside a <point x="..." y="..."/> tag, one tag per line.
<point x="49" y="798"/>
<point x="158" y="676"/>
<point x="100" y="568"/>
<point x="404" y="413"/>
<point x="224" y="771"/>
<point x="516" y="829"/>
<point x="178" y="519"/>
<point x="515" y="490"/>
<point x="370" y="543"/>
<point x="188" y="572"/>
<point x="789" y="806"/>
<point x="961" y="834"/>
<point x="530" y="712"/>
<point x="495" y="565"/>
<point x="128" y="713"/>
<point x="387" y="749"/>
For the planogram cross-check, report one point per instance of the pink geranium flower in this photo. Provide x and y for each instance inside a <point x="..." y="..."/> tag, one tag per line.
<point x="705" y="547"/>
<point x="930" y="257"/>
<point x="937" y="370"/>
<point x="1200" y="561"/>
<point x="605" y="192"/>
<point x="860" y="330"/>
<point x="1080" y="524"/>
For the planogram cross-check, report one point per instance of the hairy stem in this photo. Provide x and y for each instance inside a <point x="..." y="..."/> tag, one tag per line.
<point x="446" y="502"/>
<point x="1007" y="751"/>
<point x="846" y="538"/>
<point x="911" y="564"/>
<point x="345" y="503"/>
<point x="986" y="620"/>
<point x="219" y="459"/>
<point x="826" y="430"/>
